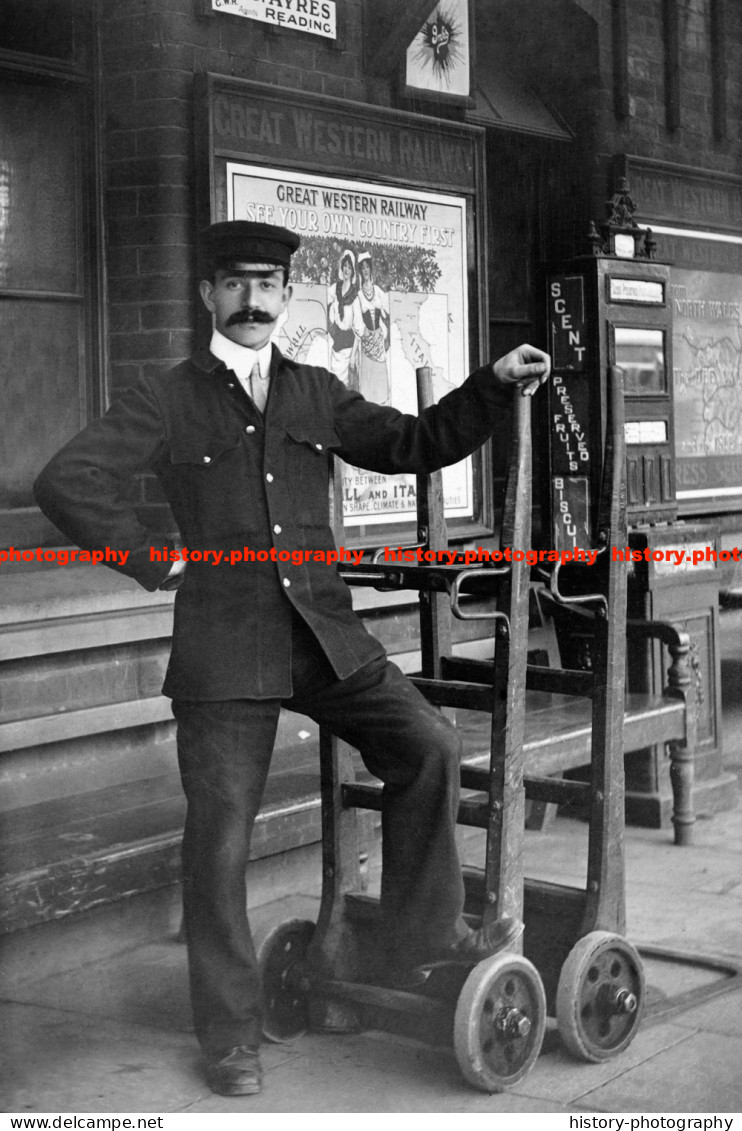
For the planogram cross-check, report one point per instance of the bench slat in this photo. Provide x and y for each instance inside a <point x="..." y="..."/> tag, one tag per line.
<point x="64" y="725"/>
<point x="470" y="696"/>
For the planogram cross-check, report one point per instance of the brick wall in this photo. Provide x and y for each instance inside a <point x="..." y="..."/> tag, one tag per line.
<point x="150" y="51"/>
<point x="571" y="59"/>
<point x="693" y="143"/>
<point x="644" y="131"/>
<point x="152" y="48"/>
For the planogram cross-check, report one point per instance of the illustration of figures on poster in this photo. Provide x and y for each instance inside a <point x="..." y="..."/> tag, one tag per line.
<point x="379" y="289"/>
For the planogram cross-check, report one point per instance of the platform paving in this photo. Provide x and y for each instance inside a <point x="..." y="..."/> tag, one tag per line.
<point x="114" y="1035"/>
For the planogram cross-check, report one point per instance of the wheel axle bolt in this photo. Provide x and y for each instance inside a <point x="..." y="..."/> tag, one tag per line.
<point x="512" y="1023"/>
<point x="626" y="1002"/>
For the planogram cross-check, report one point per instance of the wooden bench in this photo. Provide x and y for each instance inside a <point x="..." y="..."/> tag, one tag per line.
<point x="558" y="727"/>
<point x="69" y="855"/>
<point x="92" y="808"/>
<point x="567" y="710"/>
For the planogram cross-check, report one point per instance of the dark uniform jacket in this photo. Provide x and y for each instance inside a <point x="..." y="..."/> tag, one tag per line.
<point x="235" y="478"/>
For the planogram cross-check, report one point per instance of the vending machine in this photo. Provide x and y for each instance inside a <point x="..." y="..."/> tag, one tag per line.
<point x="605" y="310"/>
<point x="613" y="306"/>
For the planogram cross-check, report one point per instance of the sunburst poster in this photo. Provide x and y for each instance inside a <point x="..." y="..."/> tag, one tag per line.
<point x="438" y="59"/>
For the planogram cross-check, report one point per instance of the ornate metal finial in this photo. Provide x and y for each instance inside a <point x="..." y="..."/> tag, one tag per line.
<point x="619" y="234"/>
<point x="650" y="244"/>
<point x="595" y="239"/>
<point x="621" y="207"/>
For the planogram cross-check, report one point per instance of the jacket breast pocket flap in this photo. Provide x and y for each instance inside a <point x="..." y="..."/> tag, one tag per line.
<point x="317" y="436"/>
<point x="204" y="452"/>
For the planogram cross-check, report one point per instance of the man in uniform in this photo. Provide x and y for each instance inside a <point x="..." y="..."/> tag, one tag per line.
<point x="241" y="440"/>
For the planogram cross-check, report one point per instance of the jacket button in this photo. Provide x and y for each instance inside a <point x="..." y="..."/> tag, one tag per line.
<point x="286" y="583"/>
<point x="230" y="385"/>
<point x="276" y="529"/>
<point x="318" y="447"/>
<point x="250" y="429"/>
<point x="207" y="459"/>
<point x="269" y="477"/>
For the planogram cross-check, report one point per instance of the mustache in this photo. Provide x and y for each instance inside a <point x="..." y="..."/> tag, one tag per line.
<point x="249" y="316"/>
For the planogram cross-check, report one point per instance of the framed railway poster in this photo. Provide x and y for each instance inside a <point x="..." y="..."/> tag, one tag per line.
<point x="387" y="277"/>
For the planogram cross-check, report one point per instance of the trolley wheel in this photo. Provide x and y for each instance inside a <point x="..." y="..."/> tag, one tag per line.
<point x="281" y="955"/>
<point x="601" y="996"/>
<point x="499" y="1022"/>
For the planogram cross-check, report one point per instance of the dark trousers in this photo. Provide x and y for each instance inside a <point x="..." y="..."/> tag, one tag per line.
<point x="224" y="751"/>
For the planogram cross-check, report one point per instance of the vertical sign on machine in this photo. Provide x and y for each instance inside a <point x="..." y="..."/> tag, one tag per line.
<point x="569" y="411"/>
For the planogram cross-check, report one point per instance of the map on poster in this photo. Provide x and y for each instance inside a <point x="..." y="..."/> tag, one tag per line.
<point x="379" y="289"/>
<point x="707" y="378"/>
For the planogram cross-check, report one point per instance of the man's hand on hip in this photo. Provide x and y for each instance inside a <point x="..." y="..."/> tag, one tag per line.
<point x="527" y="367"/>
<point x="174" y="577"/>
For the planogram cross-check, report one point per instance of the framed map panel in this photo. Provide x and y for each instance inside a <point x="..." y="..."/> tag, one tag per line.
<point x="707" y="350"/>
<point x="696" y="219"/>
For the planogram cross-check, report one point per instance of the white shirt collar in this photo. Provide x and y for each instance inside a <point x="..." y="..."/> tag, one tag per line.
<point x="240" y="359"/>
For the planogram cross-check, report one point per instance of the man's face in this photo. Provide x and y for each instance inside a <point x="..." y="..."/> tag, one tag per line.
<point x="247" y="301"/>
